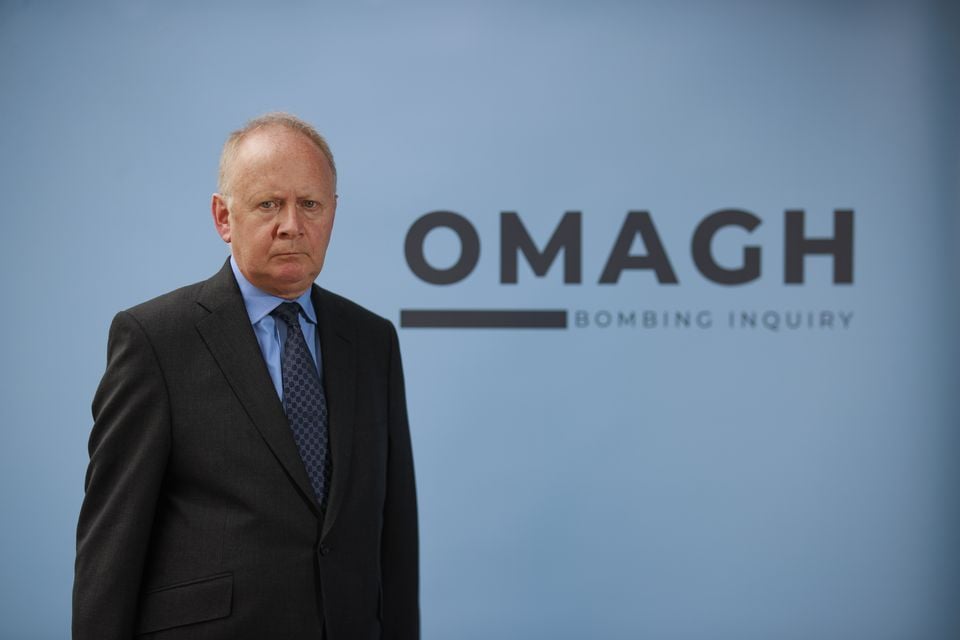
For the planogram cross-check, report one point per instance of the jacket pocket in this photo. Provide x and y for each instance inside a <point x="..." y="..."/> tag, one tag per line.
<point x="183" y="603"/>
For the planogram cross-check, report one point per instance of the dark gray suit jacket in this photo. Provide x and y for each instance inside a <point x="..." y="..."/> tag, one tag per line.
<point x="199" y="520"/>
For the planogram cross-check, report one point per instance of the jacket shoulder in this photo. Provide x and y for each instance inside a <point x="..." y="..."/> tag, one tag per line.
<point x="358" y="315"/>
<point x="169" y="306"/>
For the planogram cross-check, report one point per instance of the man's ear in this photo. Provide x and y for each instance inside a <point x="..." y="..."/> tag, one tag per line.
<point x="221" y="216"/>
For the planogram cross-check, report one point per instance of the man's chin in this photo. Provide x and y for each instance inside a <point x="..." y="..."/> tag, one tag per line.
<point x="291" y="283"/>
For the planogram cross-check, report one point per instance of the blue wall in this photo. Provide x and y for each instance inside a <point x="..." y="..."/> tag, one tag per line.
<point x="618" y="482"/>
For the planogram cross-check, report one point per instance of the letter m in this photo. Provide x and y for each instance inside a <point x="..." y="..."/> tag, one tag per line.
<point x="514" y="240"/>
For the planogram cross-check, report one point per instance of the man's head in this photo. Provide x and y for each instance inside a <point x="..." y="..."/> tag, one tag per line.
<point x="276" y="202"/>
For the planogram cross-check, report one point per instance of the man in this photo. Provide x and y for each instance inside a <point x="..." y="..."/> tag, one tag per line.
<point x="250" y="466"/>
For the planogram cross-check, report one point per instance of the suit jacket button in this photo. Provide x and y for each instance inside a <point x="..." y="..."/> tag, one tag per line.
<point x="323" y="549"/>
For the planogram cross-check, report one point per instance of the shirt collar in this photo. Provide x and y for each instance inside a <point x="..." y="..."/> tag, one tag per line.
<point x="259" y="303"/>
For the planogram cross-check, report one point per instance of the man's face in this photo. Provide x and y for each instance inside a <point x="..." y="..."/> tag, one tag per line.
<point x="278" y="212"/>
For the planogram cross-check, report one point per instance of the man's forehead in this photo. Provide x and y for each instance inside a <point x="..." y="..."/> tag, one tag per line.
<point x="275" y="156"/>
<point x="278" y="152"/>
<point x="276" y="139"/>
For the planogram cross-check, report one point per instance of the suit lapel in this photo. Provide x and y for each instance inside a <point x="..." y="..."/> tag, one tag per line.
<point x="338" y="352"/>
<point x="230" y="338"/>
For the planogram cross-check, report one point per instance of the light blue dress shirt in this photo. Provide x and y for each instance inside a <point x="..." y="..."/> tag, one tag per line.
<point x="272" y="334"/>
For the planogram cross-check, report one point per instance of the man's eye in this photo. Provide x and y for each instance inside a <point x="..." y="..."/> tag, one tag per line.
<point x="268" y="204"/>
<point x="310" y="204"/>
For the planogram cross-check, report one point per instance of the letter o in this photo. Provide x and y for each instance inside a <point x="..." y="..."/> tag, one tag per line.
<point x="469" y="247"/>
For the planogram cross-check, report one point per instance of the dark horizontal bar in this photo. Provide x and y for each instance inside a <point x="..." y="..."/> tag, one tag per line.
<point x="483" y="319"/>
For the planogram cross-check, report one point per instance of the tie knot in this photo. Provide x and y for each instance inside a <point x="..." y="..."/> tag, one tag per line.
<point x="288" y="312"/>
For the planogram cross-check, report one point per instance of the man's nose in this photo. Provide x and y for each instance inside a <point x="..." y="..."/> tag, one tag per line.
<point x="289" y="224"/>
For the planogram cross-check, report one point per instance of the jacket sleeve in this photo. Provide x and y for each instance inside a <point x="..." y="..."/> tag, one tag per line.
<point x="399" y="561"/>
<point x="129" y="446"/>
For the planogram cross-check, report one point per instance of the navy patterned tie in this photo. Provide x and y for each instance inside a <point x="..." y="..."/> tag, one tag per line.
<point x="305" y="403"/>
